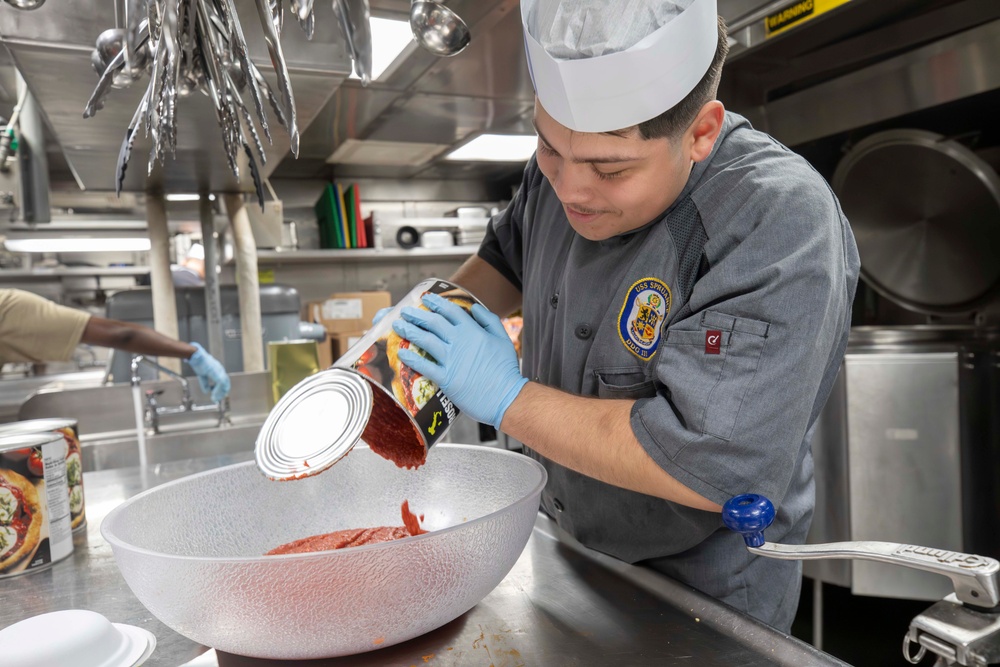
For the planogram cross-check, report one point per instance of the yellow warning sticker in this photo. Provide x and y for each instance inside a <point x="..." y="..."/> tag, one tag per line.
<point x="796" y="13"/>
<point x="265" y="276"/>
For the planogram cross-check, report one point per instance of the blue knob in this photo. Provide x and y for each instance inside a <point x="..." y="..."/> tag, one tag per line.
<point x="748" y="515"/>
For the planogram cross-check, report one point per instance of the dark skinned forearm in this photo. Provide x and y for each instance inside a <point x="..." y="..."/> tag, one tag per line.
<point x="134" y="338"/>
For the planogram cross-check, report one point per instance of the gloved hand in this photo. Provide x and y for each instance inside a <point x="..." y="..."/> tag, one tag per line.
<point x="474" y="362"/>
<point x="211" y="375"/>
<point x="379" y="314"/>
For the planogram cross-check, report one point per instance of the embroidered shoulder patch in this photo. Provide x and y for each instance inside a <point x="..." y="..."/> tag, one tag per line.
<point x="645" y="308"/>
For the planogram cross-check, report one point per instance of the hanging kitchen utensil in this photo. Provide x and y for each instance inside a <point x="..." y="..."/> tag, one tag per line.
<point x="25" y="4"/>
<point x="200" y="44"/>
<point x="353" y="16"/>
<point x="438" y="29"/>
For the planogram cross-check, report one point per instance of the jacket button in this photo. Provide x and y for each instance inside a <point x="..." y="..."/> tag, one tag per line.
<point x="554" y="300"/>
<point x="583" y="332"/>
<point x="557" y="505"/>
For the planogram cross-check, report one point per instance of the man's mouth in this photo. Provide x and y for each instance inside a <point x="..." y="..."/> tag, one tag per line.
<point x="581" y="215"/>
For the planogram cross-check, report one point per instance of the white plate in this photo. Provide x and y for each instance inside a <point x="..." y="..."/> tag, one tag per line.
<point x="74" y="638"/>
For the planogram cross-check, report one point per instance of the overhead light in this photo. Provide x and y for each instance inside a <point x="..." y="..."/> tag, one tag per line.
<point x="389" y="38"/>
<point x="496" y="148"/>
<point x="78" y="245"/>
<point x="193" y="196"/>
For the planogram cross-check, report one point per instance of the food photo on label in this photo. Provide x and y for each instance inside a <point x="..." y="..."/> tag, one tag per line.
<point x="34" y="503"/>
<point x="65" y="428"/>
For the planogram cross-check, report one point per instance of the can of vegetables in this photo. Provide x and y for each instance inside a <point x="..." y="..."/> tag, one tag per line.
<point x="368" y="394"/>
<point x="34" y="503"/>
<point x="67" y="428"/>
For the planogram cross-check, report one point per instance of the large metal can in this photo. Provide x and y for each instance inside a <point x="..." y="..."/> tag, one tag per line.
<point x="67" y="428"/>
<point x="34" y="503"/>
<point x="367" y="394"/>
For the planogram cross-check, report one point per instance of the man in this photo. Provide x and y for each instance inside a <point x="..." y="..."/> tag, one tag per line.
<point x="35" y="329"/>
<point x="191" y="270"/>
<point x="686" y="284"/>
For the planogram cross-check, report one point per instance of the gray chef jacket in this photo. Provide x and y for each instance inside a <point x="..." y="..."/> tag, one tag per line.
<point x="726" y="318"/>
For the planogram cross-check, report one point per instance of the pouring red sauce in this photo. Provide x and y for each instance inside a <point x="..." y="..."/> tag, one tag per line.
<point x="353" y="537"/>
<point x="391" y="434"/>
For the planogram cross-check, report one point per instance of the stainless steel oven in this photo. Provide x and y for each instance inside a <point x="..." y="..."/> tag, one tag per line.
<point x="907" y="449"/>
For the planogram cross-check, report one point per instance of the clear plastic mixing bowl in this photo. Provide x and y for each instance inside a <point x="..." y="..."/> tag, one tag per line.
<point x="191" y="550"/>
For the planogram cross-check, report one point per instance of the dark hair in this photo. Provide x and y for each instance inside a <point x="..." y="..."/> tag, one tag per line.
<point x="675" y="120"/>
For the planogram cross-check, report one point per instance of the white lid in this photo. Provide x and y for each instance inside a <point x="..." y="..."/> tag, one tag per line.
<point x="618" y="90"/>
<point x="314" y="425"/>
<point x="74" y="638"/>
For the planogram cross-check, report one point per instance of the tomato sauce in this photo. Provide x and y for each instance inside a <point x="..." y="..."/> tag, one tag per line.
<point x="353" y="537"/>
<point x="391" y="434"/>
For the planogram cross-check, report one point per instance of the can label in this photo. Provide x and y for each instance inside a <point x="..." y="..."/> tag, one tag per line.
<point x="34" y="508"/>
<point x="74" y="479"/>
<point x="377" y="359"/>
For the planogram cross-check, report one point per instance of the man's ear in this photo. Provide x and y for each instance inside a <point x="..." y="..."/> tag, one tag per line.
<point x="705" y="130"/>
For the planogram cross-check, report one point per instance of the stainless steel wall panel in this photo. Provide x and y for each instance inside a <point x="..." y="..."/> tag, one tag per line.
<point x="904" y="463"/>
<point x="493" y="65"/>
<point x="953" y="68"/>
<point x="831" y="518"/>
<point x="445" y="119"/>
<point x="346" y="115"/>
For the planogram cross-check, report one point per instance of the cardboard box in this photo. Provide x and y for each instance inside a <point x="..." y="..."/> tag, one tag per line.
<point x="347" y="312"/>
<point x="342" y="342"/>
<point x="325" y="353"/>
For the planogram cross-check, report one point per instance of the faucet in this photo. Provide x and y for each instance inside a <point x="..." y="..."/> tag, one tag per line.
<point x="153" y="411"/>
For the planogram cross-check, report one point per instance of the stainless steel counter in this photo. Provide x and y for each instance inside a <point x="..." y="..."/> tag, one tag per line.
<point x="561" y="604"/>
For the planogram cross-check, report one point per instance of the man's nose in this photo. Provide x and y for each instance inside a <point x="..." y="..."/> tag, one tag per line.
<point x="571" y="184"/>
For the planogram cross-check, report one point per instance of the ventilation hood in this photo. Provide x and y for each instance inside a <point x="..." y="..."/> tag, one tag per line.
<point x="51" y="47"/>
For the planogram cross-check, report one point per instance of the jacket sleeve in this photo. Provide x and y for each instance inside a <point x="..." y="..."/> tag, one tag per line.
<point x="744" y="372"/>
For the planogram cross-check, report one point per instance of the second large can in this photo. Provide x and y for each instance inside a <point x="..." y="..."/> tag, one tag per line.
<point x="67" y="428"/>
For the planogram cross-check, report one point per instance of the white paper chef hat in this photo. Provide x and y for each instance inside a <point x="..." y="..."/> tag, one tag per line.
<point x="600" y="66"/>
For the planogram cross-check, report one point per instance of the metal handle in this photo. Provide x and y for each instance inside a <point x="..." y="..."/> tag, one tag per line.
<point x="975" y="578"/>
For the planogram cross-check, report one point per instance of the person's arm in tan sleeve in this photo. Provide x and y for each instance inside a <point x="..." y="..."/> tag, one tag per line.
<point x="34" y="329"/>
<point x="134" y="338"/>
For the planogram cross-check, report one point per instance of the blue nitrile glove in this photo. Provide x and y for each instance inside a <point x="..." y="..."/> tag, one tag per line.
<point x="211" y="375"/>
<point x="474" y="362"/>
<point x="379" y="314"/>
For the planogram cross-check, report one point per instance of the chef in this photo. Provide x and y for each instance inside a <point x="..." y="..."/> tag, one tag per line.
<point x="686" y="283"/>
<point x="36" y="330"/>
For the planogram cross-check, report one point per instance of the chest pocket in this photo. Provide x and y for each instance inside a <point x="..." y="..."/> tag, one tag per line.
<point x="624" y="382"/>
<point x="708" y="390"/>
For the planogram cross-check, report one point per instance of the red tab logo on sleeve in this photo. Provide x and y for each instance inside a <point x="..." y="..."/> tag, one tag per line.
<point x="713" y="342"/>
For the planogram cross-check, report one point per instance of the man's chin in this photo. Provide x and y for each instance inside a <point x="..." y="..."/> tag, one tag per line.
<point x="593" y="232"/>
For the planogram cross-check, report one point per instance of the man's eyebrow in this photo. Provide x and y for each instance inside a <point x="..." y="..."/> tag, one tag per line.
<point x="607" y="159"/>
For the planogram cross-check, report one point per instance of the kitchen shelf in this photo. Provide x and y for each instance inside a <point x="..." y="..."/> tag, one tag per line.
<point x="72" y="271"/>
<point x="361" y="255"/>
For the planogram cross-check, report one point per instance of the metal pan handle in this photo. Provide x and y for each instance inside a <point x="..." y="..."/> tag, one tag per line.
<point x="975" y="578"/>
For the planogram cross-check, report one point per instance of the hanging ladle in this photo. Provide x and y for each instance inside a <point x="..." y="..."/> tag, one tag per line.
<point x="25" y="4"/>
<point x="437" y="28"/>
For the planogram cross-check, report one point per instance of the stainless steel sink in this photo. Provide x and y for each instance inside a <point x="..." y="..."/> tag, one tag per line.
<point x="106" y="420"/>
<point x="122" y="451"/>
